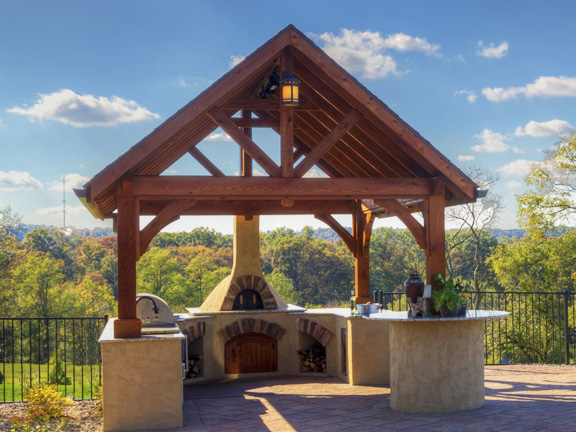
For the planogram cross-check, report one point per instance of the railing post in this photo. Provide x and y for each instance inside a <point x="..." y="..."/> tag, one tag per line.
<point x="566" y="338"/>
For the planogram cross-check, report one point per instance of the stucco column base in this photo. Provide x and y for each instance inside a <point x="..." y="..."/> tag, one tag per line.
<point x="141" y="381"/>
<point x="436" y="366"/>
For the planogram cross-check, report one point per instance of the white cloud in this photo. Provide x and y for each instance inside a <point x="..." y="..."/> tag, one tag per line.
<point x="492" y="142"/>
<point x="73" y="181"/>
<point x="404" y="42"/>
<point x="470" y="95"/>
<point x="548" y="86"/>
<point x="56" y="211"/>
<point x="18" y="181"/>
<point x="362" y="52"/>
<point x="466" y="158"/>
<point x="236" y="60"/>
<point x="520" y="167"/>
<point x="513" y="184"/>
<point x="218" y="136"/>
<point x="85" y="110"/>
<point x="492" y="51"/>
<point x="559" y="128"/>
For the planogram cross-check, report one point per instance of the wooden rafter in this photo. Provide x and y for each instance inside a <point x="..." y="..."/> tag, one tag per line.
<point x="327" y="143"/>
<point x="170" y="213"/>
<point x="205" y="162"/>
<point x="377" y="111"/>
<point x="226" y="123"/>
<point x="398" y="210"/>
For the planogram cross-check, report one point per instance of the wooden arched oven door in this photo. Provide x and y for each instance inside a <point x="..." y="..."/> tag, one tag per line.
<point x="250" y="353"/>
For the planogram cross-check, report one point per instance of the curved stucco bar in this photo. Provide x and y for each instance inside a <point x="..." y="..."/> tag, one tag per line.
<point x="436" y="366"/>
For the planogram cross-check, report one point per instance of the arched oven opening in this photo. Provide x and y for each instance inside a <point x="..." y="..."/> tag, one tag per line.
<point x="248" y="299"/>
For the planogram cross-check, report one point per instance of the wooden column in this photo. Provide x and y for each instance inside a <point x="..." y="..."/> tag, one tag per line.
<point x="361" y="231"/>
<point x="246" y="160"/>
<point x="127" y="325"/>
<point x="436" y="237"/>
<point x="287" y="128"/>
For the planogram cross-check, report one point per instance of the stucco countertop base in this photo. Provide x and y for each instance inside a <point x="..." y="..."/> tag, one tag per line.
<point x="436" y="367"/>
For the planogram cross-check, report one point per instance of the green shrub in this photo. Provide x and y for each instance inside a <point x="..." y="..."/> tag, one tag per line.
<point x="57" y="372"/>
<point x="44" y="400"/>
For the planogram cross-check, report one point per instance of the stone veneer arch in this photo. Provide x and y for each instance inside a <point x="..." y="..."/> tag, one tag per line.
<point x="252" y="325"/>
<point x="317" y="331"/>
<point x="255" y="283"/>
<point x="195" y="331"/>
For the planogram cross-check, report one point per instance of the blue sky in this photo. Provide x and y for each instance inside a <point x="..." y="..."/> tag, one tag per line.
<point x="490" y="84"/>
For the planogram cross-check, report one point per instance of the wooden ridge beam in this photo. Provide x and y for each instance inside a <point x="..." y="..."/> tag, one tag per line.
<point x="327" y="143"/>
<point x="346" y="237"/>
<point x="170" y="213"/>
<point x="398" y="210"/>
<point x="205" y="162"/>
<point x="226" y="123"/>
<point x="280" y="188"/>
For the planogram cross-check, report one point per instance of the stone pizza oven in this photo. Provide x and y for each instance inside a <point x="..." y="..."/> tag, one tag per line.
<point x="246" y="287"/>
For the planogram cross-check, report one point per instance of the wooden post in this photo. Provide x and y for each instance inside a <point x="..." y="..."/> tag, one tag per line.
<point x="287" y="128"/>
<point x="246" y="160"/>
<point x="361" y="231"/>
<point x="435" y="233"/>
<point x="127" y="325"/>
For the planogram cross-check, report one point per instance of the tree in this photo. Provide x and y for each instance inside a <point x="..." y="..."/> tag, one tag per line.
<point x="471" y="221"/>
<point x="394" y="254"/>
<point x="552" y="201"/>
<point x="38" y="277"/>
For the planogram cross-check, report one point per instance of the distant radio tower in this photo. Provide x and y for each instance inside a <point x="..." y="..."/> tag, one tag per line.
<point x="64" y="200"/>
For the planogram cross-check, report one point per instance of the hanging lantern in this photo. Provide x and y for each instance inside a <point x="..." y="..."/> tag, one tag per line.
<point x="290" y="85"/>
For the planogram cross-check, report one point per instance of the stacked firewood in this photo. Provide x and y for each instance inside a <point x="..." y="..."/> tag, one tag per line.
<point x="194" y="367"/>
<point x="313" y="360"/>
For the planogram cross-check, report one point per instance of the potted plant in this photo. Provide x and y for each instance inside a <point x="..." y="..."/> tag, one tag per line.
<point x="451" y="297"/>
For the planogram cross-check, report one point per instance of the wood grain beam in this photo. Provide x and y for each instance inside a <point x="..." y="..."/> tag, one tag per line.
<point x="327" y="143"/>
<point x="398" y="210"/>
<point x="254" y="207"/>
<point x="342" y="232"/>
<point x="170" y="213"/>
<point x="270" y="104"/>
<point x="280" y="188"/>
<point x="226" y="123"/>
<point x="205" y="162"/>
<point x="255" y="123"/>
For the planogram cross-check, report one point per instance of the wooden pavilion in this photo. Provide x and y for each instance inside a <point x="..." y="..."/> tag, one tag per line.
<point x="375" y="164"/>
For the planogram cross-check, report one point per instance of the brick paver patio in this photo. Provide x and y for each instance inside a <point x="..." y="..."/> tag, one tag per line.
<point x="518" y="398"/>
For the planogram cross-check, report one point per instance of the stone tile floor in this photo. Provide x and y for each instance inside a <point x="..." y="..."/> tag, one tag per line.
<point x="518" y="398"/>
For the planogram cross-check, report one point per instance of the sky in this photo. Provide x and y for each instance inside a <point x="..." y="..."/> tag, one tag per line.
<point x="490" y="84"/>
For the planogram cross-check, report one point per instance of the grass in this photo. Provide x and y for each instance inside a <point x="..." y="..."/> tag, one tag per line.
<point x="17" y="378"/>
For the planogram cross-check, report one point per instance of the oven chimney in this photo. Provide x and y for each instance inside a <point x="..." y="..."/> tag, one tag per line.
<point x="246" y="277"/>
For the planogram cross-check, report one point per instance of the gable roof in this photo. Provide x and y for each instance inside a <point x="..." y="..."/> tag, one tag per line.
<point x="377" y="143"/>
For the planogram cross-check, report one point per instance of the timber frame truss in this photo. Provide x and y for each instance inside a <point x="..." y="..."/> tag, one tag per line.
<point x="372" y="164"/>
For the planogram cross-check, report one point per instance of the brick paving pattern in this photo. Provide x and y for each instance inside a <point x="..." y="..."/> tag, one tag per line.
<point x="518" y="398"/>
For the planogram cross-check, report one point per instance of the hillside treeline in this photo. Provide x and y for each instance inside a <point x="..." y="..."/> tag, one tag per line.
<point x="52" y="273"/>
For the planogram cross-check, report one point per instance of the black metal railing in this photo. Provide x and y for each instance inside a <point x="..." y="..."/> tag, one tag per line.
<point x="540" y="327"/>
<point x="61" y="351"/>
